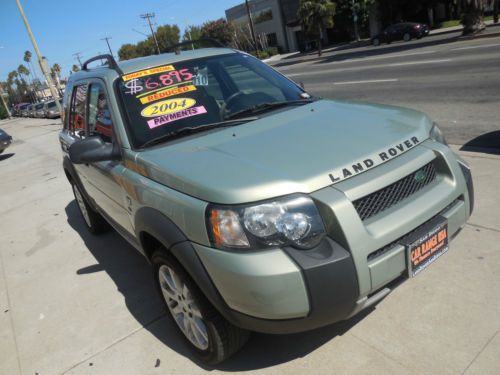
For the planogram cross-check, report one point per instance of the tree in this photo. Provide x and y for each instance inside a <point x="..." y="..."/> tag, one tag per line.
<point x="56" y="70"/>
<point x="219" y="30"/>
<point x="473" y="16"/>
<point x="192" y="33"/>
<point x="3" y="110"/>
<point x="316" y="15"/>
<point x="23" y="71"/>
<point x="146" y="47"/>
<point x="127" y="51"/>
<point x="167" y="35"/>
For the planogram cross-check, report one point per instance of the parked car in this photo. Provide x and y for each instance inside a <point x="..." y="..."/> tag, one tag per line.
<point x="39" y="111"/>
<point x="26" y="111"/>
<point x="18" y="108"/>
<point x="401" y="31"/>
<point x="51" y="110"/>
<point x="5" y="140"/>
<point x="260" y="207"/>
<point x="33" y="110"/>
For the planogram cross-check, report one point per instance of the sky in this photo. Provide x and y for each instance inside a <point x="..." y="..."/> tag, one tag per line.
<point x="64" y="27"/>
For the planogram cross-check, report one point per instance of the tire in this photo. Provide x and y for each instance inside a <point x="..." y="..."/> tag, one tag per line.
<point x="211" y="337"/>
<point x="376" y="42"/>
<point x="94" y="222"/>
<point x="406" y="37"/>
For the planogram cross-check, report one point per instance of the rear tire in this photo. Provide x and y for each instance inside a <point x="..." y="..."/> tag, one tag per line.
<point x="211" y="337"/>
<point x="406" y="37"/>
<point x="376" y="42"/>
<point x="94" y="222"/>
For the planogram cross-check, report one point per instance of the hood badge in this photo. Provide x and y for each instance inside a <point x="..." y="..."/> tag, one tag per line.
<point x="381" y="157"/>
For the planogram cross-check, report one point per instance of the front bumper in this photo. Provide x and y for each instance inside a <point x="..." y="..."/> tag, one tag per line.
<point x="288" y="290"/>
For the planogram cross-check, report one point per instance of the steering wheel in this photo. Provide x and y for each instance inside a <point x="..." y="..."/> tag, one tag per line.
<point x="223" y="109"/>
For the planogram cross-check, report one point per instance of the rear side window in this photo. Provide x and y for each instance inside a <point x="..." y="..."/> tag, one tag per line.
<point x="77" y="116"/>
<point x="99" y="115"/>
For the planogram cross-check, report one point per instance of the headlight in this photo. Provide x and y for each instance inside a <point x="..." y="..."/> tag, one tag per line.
<point x="437" y="135"/>
<point x="289" y="221"/>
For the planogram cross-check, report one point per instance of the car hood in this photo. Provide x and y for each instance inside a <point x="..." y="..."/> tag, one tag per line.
<point x="302" y="149"/>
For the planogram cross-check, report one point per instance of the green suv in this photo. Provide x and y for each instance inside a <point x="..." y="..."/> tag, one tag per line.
<point x="260" y="207"/>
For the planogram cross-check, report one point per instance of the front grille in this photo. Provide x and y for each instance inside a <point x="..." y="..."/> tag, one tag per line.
<point x="382" y="199"/>
<point x="386" y="248"/>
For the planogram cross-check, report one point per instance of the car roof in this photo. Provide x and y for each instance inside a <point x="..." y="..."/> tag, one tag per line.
<point x="141" y="63"/>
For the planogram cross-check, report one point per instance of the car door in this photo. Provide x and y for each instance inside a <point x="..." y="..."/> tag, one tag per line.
<point x="103" y="179"/>
<point x="390" y="33"/>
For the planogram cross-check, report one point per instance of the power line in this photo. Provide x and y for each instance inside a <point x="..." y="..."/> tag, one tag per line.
<point x="148" y="16"/>
<point x="107" y="38"/>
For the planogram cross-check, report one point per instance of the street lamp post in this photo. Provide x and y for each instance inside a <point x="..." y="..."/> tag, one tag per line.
<point x="41" y="61"/>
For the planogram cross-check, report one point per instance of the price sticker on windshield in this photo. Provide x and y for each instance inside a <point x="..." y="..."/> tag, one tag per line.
<point x="167" y="106"/>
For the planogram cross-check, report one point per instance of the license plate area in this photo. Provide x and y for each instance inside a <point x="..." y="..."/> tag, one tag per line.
<point x="425" y="245"/>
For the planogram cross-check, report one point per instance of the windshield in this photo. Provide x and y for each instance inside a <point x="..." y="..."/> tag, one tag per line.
<point x="193" y="93"/>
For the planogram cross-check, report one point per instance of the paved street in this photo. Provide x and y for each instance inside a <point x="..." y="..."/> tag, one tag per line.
<point x="456" y="82"/>
<point x="72" y="303"/>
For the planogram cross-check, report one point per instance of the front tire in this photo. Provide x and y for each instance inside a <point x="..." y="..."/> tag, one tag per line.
<point x="94" y="222"/>
<point x="211" y="337"/>
<point x="376" y="42"/>
<point x="407" y="37"/>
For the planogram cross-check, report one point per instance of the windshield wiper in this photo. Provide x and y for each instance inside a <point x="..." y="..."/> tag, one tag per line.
<point x="267" y="106"/>
<point x="195" y="129"/>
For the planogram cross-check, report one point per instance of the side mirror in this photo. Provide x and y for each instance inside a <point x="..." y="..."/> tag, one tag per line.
<point x="93" y="149"/>
<point x="301" y="84"/>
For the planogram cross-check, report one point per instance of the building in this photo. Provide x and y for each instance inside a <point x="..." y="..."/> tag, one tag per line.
<point x="275" y="23"/>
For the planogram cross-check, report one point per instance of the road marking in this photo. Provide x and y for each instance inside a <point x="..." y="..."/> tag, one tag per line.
<point x="390" y="56"/>
<point x="421" y="62"/>
<point x="368" y="81"/>
<point x="473" y="47"/>
<point x="366" y="67"/>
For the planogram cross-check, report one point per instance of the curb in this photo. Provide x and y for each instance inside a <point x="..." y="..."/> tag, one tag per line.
<point x="479" y="36"/>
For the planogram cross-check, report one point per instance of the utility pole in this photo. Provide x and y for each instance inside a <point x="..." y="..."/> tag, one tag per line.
<point x="107" y="38"/>
<point x="250" y="22"/>
<point x="77" y="55"/>
<point x="4" y="104"/>
<point x="355" y="21"/>
<point x="148" y="16"/>
<point x="41" y="61"/>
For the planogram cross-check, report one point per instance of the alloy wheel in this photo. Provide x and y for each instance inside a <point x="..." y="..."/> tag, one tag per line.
<point x="81" y="205"/>
<point x="183" y="307"/>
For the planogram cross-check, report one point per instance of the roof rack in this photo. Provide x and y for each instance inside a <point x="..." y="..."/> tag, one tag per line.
<point x="112" y="64"/>
<point x="212" y="42"/>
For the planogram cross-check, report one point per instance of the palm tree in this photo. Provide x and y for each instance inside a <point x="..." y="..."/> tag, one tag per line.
<point x="27" y="59"/>
<point x="23" y="71"/>
<point x="316" y="15"/>
<point x="56" y="69"/>
<point x="11" y="80"/>
<point x="473" y="15"/>
<point x="55" y="72"/>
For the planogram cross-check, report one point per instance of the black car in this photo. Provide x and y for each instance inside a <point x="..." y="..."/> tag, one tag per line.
<point x="401" y="31"/>
<point x="5" y="140"/>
